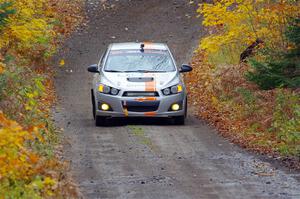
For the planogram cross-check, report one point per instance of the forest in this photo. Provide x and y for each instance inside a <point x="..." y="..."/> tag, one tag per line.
<point x="247" y="73"/>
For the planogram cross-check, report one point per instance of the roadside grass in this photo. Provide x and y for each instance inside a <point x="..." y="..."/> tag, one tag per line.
<point x="139" y="133"/>
<point x="225" y="56"/>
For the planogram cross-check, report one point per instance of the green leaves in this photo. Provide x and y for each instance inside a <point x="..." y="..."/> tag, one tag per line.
<point x="286" y="122"/>
<point x="281" y="69"/>
<point x="5" y="10"/>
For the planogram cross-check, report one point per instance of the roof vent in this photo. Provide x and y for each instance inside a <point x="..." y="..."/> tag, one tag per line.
<point x="142" y="47"/>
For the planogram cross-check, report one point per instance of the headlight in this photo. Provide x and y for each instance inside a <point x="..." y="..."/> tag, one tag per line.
<point x="172" y="90"/>
<point x="166" y="91"/>
<point x="107" y="90"/>
<point x="114" y="91"/>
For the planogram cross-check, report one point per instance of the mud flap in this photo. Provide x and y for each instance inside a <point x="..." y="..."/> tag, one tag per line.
<point x="125" y="109"/>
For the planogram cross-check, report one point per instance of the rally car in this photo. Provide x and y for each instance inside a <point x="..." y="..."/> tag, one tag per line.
<point x="138" y="80"/>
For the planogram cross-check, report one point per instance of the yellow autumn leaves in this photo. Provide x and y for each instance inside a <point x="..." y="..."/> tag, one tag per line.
<point x="2" y="67"/>
<point x="15" y="158"/>
<point x="29" y="25"/>
<point x="22" y="164"/>
<point x="234" y="25"/>
<point x="30" y="31"/>
<point x="18" y="162"/>
<point x="265" y="121"/>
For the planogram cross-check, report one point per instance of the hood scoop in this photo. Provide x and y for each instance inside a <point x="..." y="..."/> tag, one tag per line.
<point x="140" y="79"/>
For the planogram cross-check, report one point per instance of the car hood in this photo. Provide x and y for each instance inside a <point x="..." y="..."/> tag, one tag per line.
<point x="140" y="81"/>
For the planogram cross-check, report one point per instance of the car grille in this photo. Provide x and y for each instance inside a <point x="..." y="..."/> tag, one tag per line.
<point x="140" y="94"/>
<point x="148" y="106"/>
<point x="142" y="108"/>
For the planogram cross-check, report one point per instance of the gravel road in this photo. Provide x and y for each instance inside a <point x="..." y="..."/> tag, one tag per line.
<point x="148" y="158"/>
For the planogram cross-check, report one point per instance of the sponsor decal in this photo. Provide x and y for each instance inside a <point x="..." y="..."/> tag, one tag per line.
<point x="143" y="99"/>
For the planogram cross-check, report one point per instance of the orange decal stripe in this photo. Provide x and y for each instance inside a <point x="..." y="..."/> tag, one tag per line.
<point x="148" y="44"/>
<point x="150" y="114"/>
<point x="150" y="86"/>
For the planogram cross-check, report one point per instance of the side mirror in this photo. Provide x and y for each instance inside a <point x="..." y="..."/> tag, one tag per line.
<point x="93" y="68"/>
<point x="185" y="68"/>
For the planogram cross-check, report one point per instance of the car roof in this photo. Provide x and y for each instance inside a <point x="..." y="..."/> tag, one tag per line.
<point x="137" y="45"/>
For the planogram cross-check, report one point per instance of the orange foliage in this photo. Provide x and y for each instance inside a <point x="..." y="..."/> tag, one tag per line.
<point x="238" y="109"/>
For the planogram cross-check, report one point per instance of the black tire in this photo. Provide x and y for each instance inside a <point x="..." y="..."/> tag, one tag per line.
<point x="100" y="121"/>
<point x="186" y="107"/>
<point x="179" y="120"/>
<point x="94" y="105"/>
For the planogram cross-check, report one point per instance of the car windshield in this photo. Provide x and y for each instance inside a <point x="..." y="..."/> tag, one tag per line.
<point x="137" y="61"/>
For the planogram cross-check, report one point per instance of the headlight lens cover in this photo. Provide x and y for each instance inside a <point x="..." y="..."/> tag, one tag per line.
<point x="172" y="90"/>
<point x="107" y="90"/>
<point x="166" y="91"/>
<point x="114" y="91"/>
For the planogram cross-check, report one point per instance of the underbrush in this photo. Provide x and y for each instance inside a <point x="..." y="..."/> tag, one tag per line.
<point x="246" y="74"/>
<point x="31" y="31"/>
<point x="265" y="121"/>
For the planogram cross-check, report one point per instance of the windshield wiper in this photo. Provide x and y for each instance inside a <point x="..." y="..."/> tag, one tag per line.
<point x="114" y="71"/>
<point x="136" y="71"/>
<point x="143" y="71"/>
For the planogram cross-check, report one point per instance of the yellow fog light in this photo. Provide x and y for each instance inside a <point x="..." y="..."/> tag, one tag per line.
<point x="105" y="107"/>
<point x="175" y="107"/>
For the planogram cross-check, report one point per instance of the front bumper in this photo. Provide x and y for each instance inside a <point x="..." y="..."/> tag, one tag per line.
<point x="119" y="105"/>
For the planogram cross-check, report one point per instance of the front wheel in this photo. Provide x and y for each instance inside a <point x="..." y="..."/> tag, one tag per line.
<point x="93" y="104"/>
<point x="100" y="121"/>
<point x="179" y="120"/>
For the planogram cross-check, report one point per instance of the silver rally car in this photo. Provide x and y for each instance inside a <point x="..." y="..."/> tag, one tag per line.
<point x="138" y="80"/>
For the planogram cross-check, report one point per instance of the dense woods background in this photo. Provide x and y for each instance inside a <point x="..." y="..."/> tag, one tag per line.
<point x="246" y="78"/>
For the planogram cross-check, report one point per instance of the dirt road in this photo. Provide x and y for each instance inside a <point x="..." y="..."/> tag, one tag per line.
<point x="147" y="158"/>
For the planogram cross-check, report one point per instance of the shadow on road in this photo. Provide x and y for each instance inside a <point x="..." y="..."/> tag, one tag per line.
<point x="115" y="122"/>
